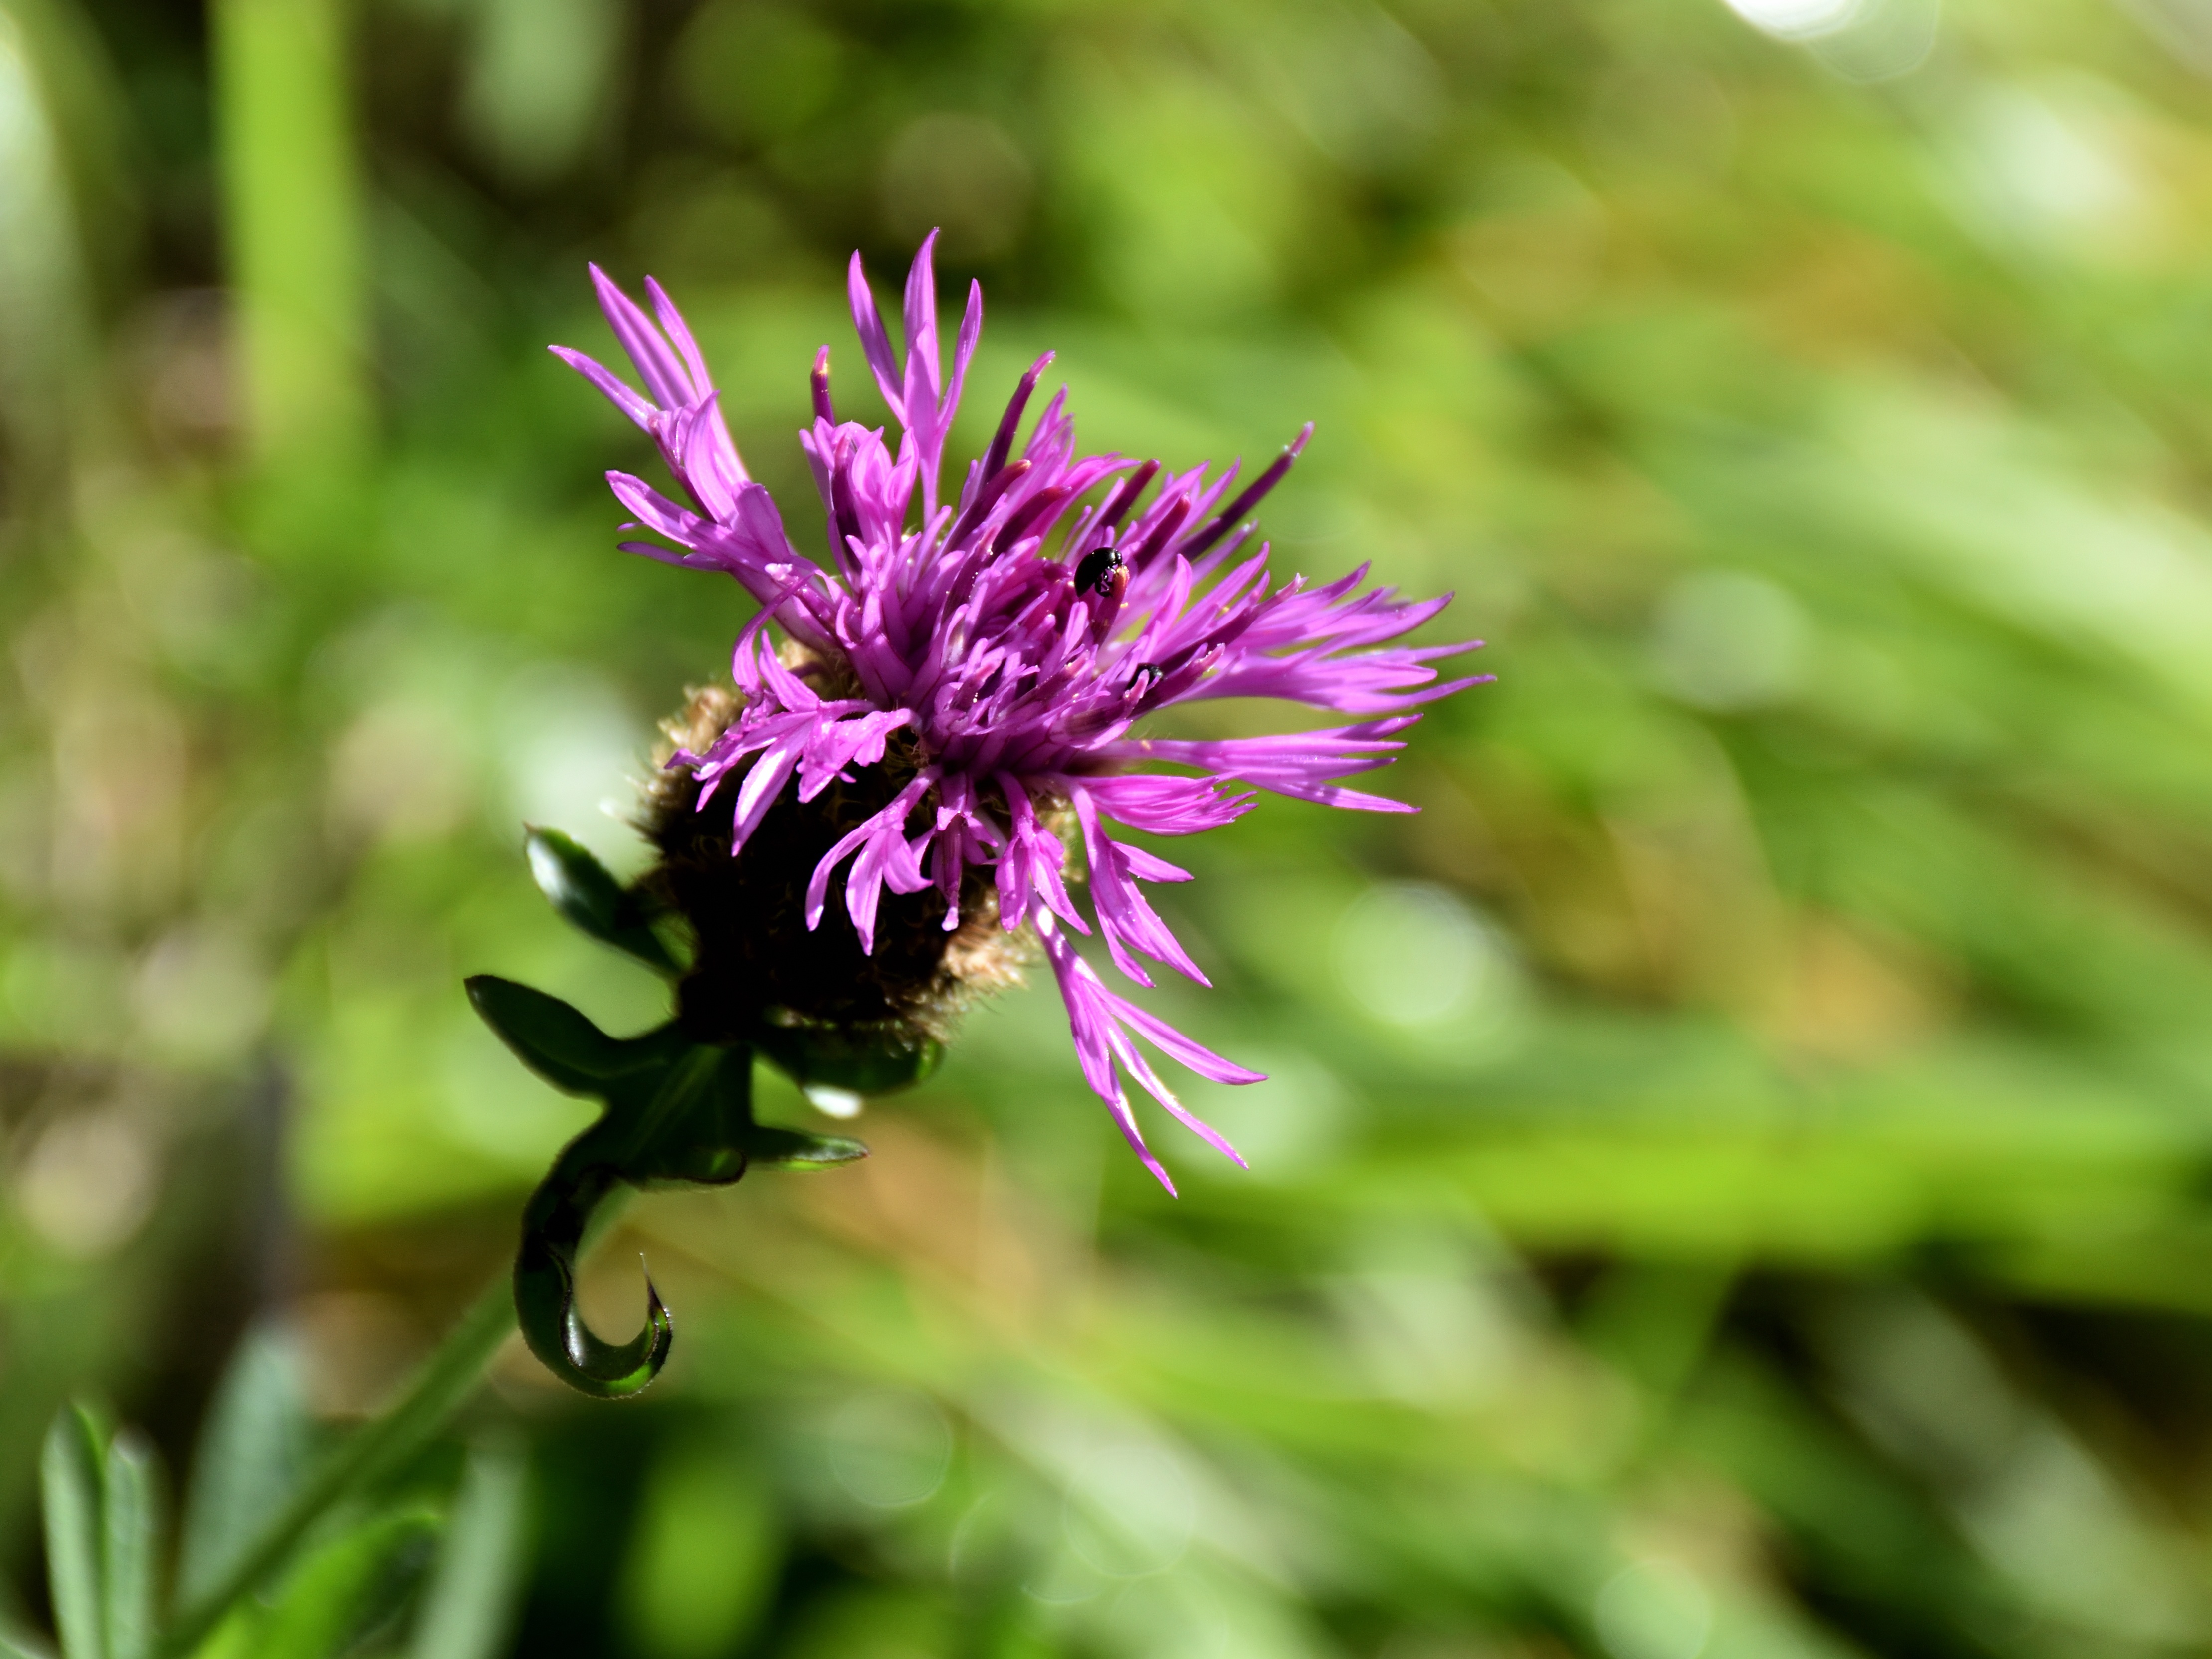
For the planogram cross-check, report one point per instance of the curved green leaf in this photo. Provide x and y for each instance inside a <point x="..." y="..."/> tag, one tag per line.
<point x="550" y="1038"/>
<point x="553" y="1226"/>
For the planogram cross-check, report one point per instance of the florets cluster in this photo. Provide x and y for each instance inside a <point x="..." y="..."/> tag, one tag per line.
<point x="956" y="694"/>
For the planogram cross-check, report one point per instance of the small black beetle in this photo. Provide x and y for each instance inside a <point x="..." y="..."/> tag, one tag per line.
<point x="1096" y="573"/>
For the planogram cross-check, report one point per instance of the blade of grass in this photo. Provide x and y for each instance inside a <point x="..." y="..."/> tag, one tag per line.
<point x="249" y="1458"/>
<point x="292" y="210"/>
<point x="471" y="1597"/>
<point x="445" y="1380"/>
<point x="70" y="1479"/>
<point x="346" y="1590"/>
<point x="130" y="1545"/>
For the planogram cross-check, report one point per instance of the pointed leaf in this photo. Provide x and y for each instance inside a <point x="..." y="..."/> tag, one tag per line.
<point x="130" y="1545"/>
<point x="550" y="1036"/>
<point x="249" y="1458"/>
<point x="470" y="1603"/>
<point x="15" y="1644"/>
<point x="864" y="1062"/>
<point x="70" y="1482"/>
<point x="794" y="1149"/>
<point x="590" y="899"/>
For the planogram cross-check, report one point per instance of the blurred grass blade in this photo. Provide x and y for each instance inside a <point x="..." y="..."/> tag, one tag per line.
<point x="249" y="1458"/>
<point x="590" y="900"/>
<point x="370" y="1455"/>
<point x="292" y="214"/>
<point x="471" y="1598"/>
<point x="348" y="1590"/>
<point x="43" y="325"/>
<point x="70" y="1481"/>
<point x="15" y="1646"/>
<point x="130" y="1545"/>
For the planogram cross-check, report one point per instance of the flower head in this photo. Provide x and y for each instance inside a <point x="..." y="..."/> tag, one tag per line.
<point x="958" y="692"/>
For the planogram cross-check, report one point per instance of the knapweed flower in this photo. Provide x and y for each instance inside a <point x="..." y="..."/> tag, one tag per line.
<point x="957" y="693"/>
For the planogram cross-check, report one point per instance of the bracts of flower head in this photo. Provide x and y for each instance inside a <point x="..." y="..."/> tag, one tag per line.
<point x="990" y="656"/>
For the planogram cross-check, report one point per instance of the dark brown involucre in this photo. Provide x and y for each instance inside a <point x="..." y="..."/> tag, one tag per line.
<point x="757" y="958"/>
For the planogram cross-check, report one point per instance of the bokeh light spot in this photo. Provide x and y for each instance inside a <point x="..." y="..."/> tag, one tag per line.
<point x="1131" y="1510"/>
<point x="1725" y="640"/>
<point x="1413" y="955"/>
<point x="1797" y="20"/>
<point x="890" y="1448"/>
<point x="1654" y="1610"/>
<point x="88" y="1182"/>
<point x="962" y="174"/>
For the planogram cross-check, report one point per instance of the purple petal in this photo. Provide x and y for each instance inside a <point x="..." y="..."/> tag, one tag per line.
<point x="659" y="368"/>
<point x="610" y="385"/>
<point x="874" y="342"/>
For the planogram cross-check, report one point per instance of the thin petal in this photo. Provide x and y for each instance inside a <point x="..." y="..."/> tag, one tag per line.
<point x="875" y="344"/>
<point x="660" y="369"/>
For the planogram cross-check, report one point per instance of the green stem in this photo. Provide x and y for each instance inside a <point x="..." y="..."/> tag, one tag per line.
<point x="436" y="1390"/>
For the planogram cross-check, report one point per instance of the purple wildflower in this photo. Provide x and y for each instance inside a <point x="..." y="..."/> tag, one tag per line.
<point x="1016" y="675"/>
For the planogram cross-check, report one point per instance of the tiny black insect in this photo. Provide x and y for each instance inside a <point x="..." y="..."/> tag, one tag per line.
<point x="1096" y="573"/>
<point x="1150" y="672"/>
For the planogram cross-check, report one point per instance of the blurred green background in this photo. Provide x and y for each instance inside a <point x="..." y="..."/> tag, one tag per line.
<point x="1736" y="1180"/>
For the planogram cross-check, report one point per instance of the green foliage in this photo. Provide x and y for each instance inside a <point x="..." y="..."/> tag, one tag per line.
<point x="675" y="1112"/>
<point x="468" y="1601"/>
<point x="343" y="1587"/>
<point x="75" y="1530"/>
<point x="130" y="1544"/>
<point x="251" y="1456"/>
<point x="346" y="1589"/>
<point x="701" y="1564"/>
<point x="104" y="1537"/>
<point x="1733" y="1162"/>
<point x="561" y="1045"/>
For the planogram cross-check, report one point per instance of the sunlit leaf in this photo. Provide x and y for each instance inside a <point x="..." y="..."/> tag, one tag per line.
<point x="590" y="899"/>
